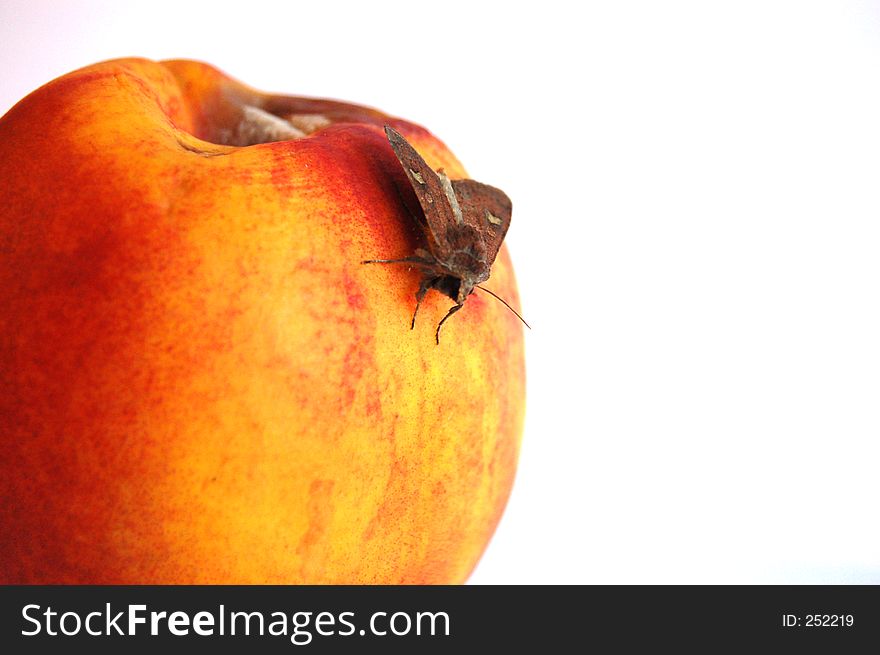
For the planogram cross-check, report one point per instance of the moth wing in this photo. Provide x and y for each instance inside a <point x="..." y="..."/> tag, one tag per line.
<point x="485" y="209"/>
<point x="428" y="189"/>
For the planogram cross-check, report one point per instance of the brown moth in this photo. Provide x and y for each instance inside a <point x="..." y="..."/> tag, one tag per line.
<point x="464" y="224"/>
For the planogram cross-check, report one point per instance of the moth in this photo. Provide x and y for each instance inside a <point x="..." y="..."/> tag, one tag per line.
<point x="464" y="224"/>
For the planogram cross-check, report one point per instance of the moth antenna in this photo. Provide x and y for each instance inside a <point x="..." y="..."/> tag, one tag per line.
<point x="495" y="295"/>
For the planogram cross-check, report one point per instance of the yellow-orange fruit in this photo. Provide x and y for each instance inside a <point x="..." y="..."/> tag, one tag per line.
<point x="199" y="381"/>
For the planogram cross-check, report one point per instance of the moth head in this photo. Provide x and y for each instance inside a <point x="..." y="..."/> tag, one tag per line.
<point x="465" y="289"/>
<point x="469" y="265"/>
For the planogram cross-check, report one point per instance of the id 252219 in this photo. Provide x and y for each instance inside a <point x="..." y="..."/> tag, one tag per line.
<point x="818" y="620"/>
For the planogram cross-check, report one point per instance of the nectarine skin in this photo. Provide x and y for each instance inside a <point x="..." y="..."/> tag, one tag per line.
<point x="199" y="381"/>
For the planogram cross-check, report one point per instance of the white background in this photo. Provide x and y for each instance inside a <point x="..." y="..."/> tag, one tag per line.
<point x="696" y="234"/>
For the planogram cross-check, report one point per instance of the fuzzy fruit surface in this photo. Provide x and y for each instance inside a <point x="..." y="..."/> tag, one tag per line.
<point x="199" y="381"/>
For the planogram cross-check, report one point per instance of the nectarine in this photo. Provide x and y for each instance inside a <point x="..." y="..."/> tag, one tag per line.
<point x="199" y="381"/>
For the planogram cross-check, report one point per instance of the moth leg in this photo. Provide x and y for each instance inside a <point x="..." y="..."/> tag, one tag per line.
<point x="426" y="283"/>
<point x="451" y="311"/>
<point x="413" y="259"/>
